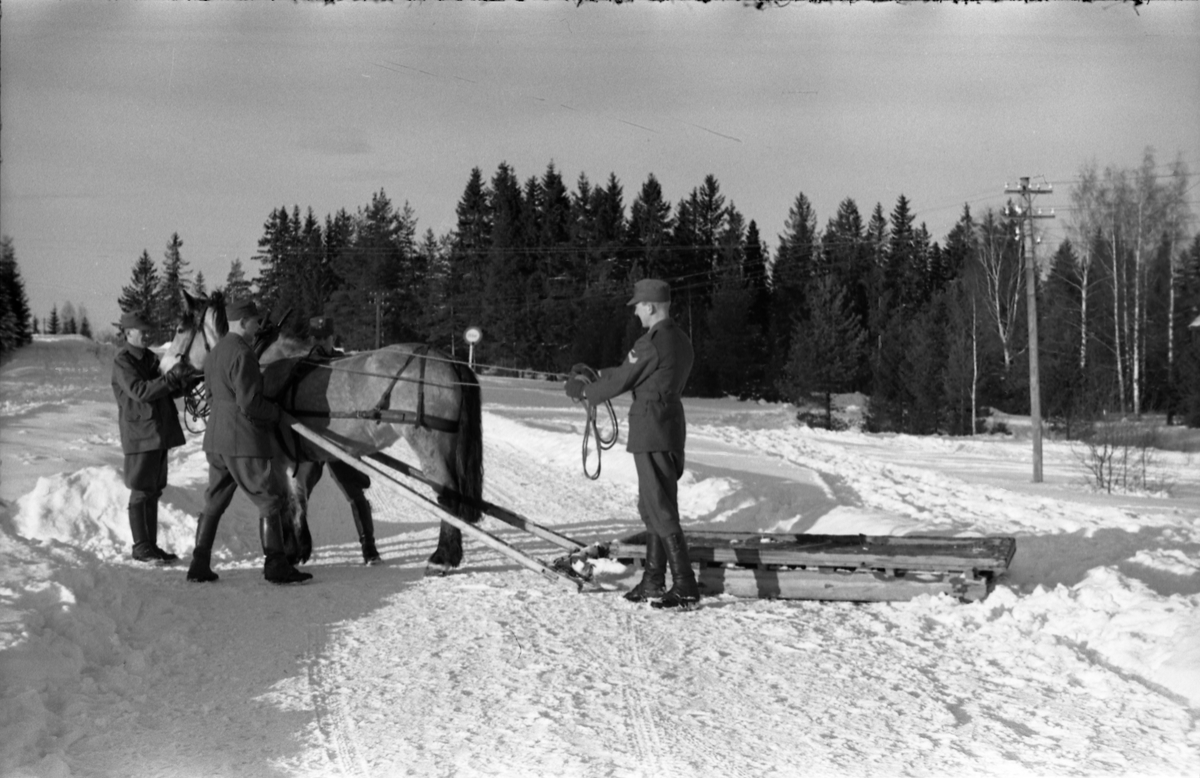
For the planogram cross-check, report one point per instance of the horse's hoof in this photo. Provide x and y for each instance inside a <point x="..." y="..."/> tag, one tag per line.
<point x="435" y="570"/>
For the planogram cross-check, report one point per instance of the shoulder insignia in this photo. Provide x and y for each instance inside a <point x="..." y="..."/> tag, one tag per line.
<point x="633" y="357"/>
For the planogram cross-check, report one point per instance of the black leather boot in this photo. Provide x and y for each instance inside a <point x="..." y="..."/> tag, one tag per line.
<point x="151" y="514"/>
<point x="277" y="569"/>
<point x="200" y="571"/>
<point x="654" y="578"/>
<point x="685" y="592"/>
<point x="366" y="531"/>
<point x="143" y="547"/>
<point x="370" y="553"/>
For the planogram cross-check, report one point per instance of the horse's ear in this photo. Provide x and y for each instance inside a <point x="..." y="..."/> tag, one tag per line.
<point x="189" y="302"/>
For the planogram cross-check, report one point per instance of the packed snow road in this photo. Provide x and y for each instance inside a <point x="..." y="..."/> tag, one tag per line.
<point x="1085" y="662"/>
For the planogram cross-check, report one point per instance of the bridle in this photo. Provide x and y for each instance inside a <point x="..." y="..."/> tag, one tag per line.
<point x="195" y="400"/>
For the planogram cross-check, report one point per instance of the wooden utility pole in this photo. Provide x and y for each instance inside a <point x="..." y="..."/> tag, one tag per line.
<point x="377" y="298"/>
<point x="1026" y="215"/>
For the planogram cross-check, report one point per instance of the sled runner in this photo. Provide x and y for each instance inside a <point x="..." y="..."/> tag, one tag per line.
<point x="838" y="567"/>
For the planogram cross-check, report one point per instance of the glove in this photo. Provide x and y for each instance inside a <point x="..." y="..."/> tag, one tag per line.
<point x="582" y="370"/>
<point x="177" y="377"/>
<point x="574" y="388"/>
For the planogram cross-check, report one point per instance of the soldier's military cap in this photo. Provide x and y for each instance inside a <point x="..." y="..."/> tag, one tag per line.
<point x="650" y="290"/>
<point x="237" y="310"/>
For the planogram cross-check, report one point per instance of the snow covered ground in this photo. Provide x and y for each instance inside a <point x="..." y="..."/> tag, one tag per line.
<point x="1085" y="660"/>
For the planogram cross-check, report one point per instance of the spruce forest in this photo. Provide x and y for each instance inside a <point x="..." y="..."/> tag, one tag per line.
<point x="934" y="333"/>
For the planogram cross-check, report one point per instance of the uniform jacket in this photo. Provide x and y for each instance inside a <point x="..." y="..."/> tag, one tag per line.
<point x="241" y="419"/>
<point x="656" y="370"/>
<point x="146" y="410"/>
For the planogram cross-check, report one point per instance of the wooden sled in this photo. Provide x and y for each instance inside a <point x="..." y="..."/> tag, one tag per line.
<point x="858" y="568"/>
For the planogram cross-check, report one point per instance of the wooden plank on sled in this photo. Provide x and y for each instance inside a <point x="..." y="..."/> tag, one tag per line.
<point x="495" y="511"/>
<point x="855" y="586"/>
<point x="483" y="536"/>
<point x="908" y="552"/>
<point x="839" y="567"/>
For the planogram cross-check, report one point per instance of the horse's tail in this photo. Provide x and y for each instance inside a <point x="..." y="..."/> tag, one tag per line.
<point x="468" y="457"/>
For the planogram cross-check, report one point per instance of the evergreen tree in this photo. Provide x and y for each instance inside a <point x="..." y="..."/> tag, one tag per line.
<point x="825" y="348"/>
<point x="140" y="296"/>
<point x="198" y="287"/>
<point x="1062" y="378"/>
<point x="85" y="326"/>
<point x="880" y="297"/>
<point x="650" y="227"/>
<point x="847" y="258"/>
<point x="756" y="270"/>
<point x="435" y="323"/>
<point x="960" y="385"/>
<point x="173" y="281"/>
<point x="728" y="350"/>
<point x="506" y="309"/>
<point x="922" y="369"/>
<point x="69" y="325"/>
<point x="53" y="329"/>
<point x="369" y="306"/>
<point x="468" y="257"/>
<point x="14" y="305"/>
<point x="1189" y="350"/>
<point x="237" y="286"/>
<point x="904" y="269"/>
<point x="276" y="251"/>
<point x="608" y="208"/>
<point x="791" y="274"/>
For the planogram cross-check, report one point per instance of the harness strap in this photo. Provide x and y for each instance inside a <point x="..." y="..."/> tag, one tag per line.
<point x="385" y="401"/>
<point x="385" y="415"/>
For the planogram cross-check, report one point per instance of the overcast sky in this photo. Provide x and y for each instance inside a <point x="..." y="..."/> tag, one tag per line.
<point x="124" y="122"/>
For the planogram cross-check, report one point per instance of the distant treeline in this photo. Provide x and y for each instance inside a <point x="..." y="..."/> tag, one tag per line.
<point x="934" y="333"/>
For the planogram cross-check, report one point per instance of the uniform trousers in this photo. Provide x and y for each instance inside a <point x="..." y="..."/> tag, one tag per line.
<point x="146" y="476"/>
<point x="658" y="490"/>
<point x="255" y="477"/>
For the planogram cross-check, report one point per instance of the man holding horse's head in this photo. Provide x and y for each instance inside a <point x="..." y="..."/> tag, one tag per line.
<point x="237" y="444"/>
<point x="149" y="424"/>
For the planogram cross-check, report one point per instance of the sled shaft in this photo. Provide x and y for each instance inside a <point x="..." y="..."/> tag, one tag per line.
<point x="495" y="511"/>
<point x="483" y="536"/>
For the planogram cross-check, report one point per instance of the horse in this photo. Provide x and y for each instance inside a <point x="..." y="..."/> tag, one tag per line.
<point x="364" y="403"/>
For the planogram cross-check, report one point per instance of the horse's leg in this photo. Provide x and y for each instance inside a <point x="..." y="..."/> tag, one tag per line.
<point x="297" y="540"/>
<point x="432" y="450"/>
<point x="435" y="452"/>
<point x="458" y="459"/>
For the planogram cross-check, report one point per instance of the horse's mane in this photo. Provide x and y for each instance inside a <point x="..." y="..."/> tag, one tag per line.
<point x="216" y="301"/>
<point x="287" y="346"/>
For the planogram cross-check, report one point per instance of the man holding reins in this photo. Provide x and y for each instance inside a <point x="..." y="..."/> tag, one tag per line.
<point x="656" y="370"/>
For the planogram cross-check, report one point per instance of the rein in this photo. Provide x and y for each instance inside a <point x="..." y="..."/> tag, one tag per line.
<point x="195" y="400"/>
<point x="591" y="427"/>
<point x="602" y="443"/>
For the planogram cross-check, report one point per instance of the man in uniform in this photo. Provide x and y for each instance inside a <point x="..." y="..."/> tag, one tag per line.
<point x="656" y="371"/>
<point x="149" y="424"/>
<point x="237" y="443"/>
<point x="352" y="483"/>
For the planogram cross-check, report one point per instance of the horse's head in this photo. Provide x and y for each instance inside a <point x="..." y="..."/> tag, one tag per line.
<point x="202" y="324"/>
